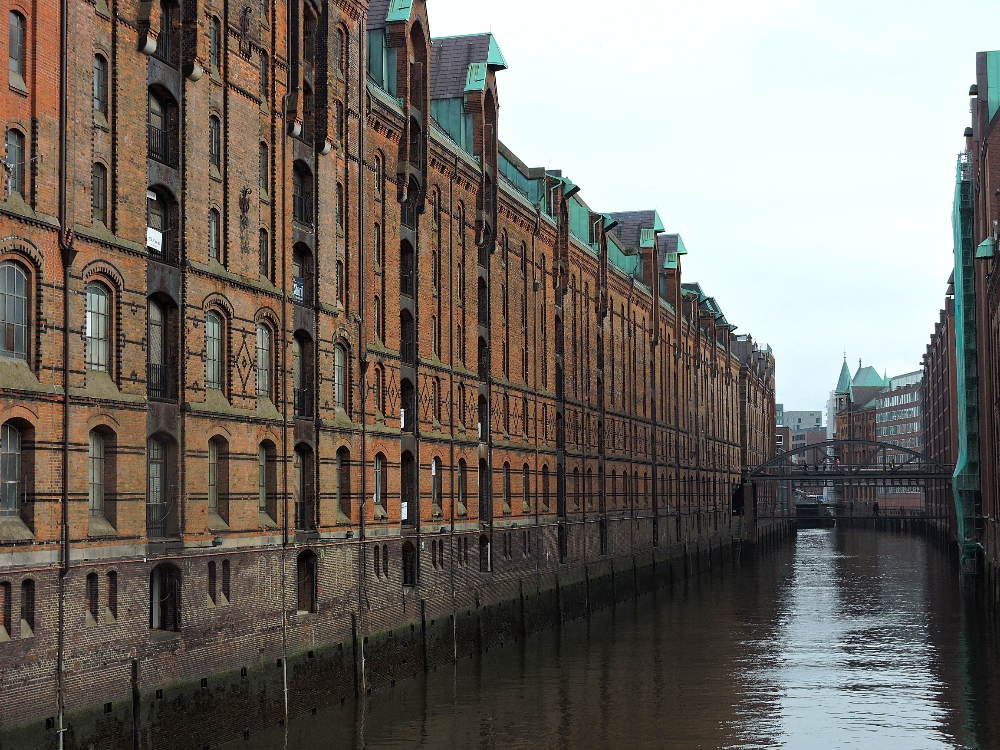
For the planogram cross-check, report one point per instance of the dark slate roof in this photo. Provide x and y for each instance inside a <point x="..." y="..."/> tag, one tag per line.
<point x="377" y="11"/>
<point x="630" y="224"/>
<point x="450" y="60"/>
<point x="668" y="242"/>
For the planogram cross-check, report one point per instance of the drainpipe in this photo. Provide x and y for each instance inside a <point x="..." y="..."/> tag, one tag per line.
<point x="451" y="446"/>
<point x="284" y="374"/>
<point x="68" y="254"/>
<point x="362" y="342"/>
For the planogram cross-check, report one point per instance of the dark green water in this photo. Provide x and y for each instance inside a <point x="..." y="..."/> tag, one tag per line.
<point x="841" y="640"/>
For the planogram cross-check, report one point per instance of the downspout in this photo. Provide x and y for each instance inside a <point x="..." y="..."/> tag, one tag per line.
<point x="451" y="446"/>
<point x="362" y="341"/>
<point x="68" y="254"/>
<point x="284" y="374"/>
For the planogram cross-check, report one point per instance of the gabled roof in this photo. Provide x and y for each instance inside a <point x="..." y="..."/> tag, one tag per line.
<point x="869" y="377"/>
<point x="631" y="225"/>
<point x="460" y="64"/>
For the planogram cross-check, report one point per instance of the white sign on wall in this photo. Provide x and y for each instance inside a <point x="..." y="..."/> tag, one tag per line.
<point x="154" y="239"/>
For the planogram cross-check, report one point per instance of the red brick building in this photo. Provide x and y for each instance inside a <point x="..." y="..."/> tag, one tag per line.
<point x="940" y="421"/>
<point x="298" y="357"/>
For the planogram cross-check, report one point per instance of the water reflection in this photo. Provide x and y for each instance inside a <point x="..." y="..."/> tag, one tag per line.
<point x="846" y="640"/>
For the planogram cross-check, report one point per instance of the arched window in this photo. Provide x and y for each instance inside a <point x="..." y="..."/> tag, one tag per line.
<point x="93" y="599"/>
<point x="265" y="78"/>
<point x="11" y="489"/>
<point x="214" y="44"/>
<point x="165" y="598"/>
<point x="408" y="489"/>
<point x="5" y="611"/>
<point x="301" y="193"/>
<point x="344" y="483"/>
<point x="263" y="360"/>
<point x="157" y="501"/>
<point x="99" y="192"/>
<point x="377" y="318"/>
<point x="301" y="274"/>
<point x="436" y="480"/>
<point x="100" y="471"/>
<point x="112" y="594"/>
<point x="341" y="51"/>
<point x="525" y="489"/>
<point x="377" y="389"/>
<point x="407" y="413"/>
<point x="215" y="142"/>
<point x="340" y="206"/>
<point x="158" y="377"/>
<point x="227" y="591"/>
<point x="13" y="310"/>
<point x="264" y="254"/>
<point x="15" y="161"/>
<point x="377" y="169"/>
<point x="460" y="482"/>
<point x="213" y="234"/>
<point x="302" y="374"/>
<point x="577" y="492"/>
<point x="213" y="581"/>
<point x="218" y="477"/>
<point x="379" y="485"/>
<point x="377" y="245"/>
<point x="406" y="270"/>
<point x="16" y="51"/>
<point x="434" y="334"/>
<point x="409" y="560"/>
<point x="545" y="489"/>
<point x="460" y="224"/>
<point x="267" y="481"/>
<point x="27" y="608"/>
<point x="213" y="351"/>
<point x="98" y="329"/>
<point x="339" y="377"/>
<point x="263" y="170"/>
<point x="159" y="129"/>
<point x="302" y="470"/>
<point x="165" y="39"/>
<point x="506" y="488"/>
<point x="306" y="580"/>
<point x="101" y="85"/>
<point x="407" y="344"/>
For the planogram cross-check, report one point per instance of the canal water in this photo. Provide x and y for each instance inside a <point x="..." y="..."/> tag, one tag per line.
<point x="842" y="639"/>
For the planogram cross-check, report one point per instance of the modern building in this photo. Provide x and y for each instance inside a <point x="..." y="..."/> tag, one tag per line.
<point x="801" y="420"/>
<point x="297" y="357"/>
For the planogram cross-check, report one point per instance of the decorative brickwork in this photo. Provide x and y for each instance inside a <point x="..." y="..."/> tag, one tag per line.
<point x="409" y="378"/>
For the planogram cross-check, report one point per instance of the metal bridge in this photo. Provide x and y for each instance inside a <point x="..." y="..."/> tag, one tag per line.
<point x="852" y="463"/>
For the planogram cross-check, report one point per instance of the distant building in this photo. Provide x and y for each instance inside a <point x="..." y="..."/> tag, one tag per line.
<point x="801" y="420"/>
<point x="855" y="401"/>
<point x="899" y="422"/>
<point x="940" y="413"/>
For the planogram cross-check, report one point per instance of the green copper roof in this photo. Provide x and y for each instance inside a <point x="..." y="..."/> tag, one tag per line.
<point x="844" y="383"/>
<point x="496" y="59"/>
<point x="475" y="80"/>
<point x="986" y="248"/>
<point x="868" y="377"/>
<point x="399" y="10"/>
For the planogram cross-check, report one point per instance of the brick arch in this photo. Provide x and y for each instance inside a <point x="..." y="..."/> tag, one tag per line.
<point x="219" y="302"/>
<point x="14" y="247"/>
<point x="103" y="419"/>
<point x="217" y="429"/>
<point x="103" y="271"/>
<point x="21" y="412"/>
<point x="268" y="316"/>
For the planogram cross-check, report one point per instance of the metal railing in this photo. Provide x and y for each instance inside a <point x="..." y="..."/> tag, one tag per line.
<point x="303" y="402"/>
<point x="157" y="516"/>
<point x="159" y="145"/>
<point x="303" y="516"/>
<point x="159" y="384"/>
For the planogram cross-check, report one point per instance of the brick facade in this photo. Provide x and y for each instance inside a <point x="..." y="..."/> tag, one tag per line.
<point x="356" y="374"/>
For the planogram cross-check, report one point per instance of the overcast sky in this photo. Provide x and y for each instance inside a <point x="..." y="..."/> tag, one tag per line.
<point x="805" y="150"/>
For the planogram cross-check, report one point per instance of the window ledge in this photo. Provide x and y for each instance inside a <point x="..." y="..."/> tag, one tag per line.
<point x="13" y="529"/>
<point x="214" y="173"/>
<point x="100" y="121"/>
<point x="267" y="522"/>
<point x="100" y="526"/>
<point x="17" y="84"/>
<point x="216" y="522"/>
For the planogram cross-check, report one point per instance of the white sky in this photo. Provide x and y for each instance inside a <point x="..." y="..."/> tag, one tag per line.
<point x="805" y="150"/>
